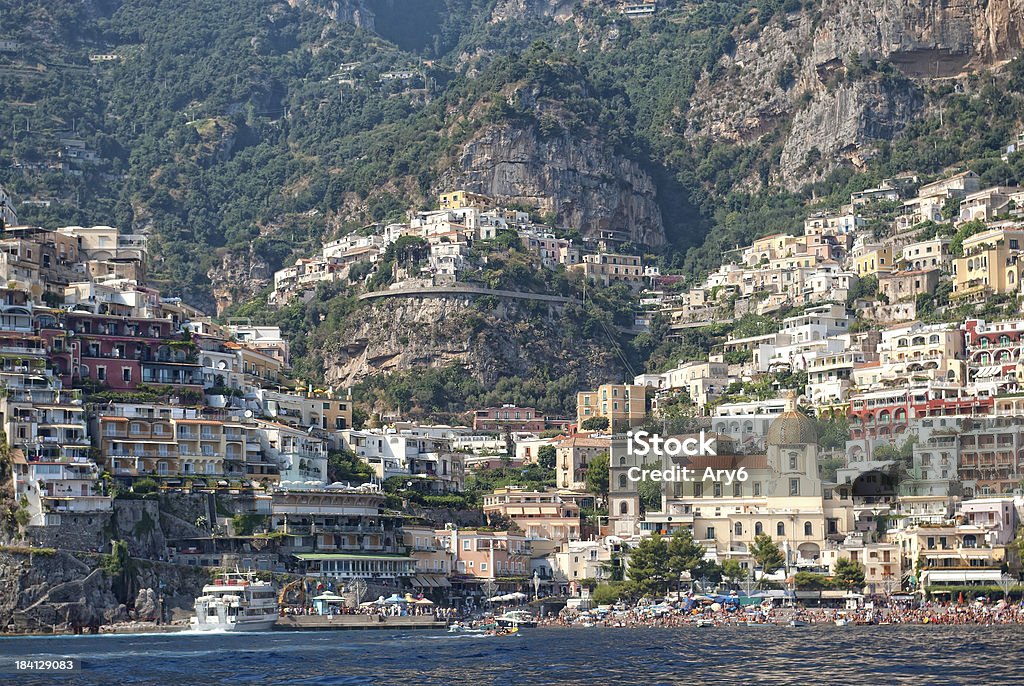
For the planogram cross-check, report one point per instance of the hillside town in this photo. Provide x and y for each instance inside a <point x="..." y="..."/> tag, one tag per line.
<point x="872" y="403"/>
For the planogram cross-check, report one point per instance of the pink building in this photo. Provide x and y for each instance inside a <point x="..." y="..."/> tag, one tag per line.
<point x="487" y="554"/>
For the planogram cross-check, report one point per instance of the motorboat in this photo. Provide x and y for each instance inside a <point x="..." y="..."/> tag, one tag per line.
<point x="516" y="618"/>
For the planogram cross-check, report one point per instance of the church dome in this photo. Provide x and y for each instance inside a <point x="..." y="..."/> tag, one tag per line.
<point x="792" y="428"/>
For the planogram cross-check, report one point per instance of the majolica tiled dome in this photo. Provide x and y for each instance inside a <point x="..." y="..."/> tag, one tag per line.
<point x="792" y="428"/>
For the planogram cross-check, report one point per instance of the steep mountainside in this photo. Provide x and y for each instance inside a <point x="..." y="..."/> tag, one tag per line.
<point x="840" y="77"/>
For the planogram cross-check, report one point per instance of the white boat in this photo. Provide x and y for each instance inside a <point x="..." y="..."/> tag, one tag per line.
<point x="516" y="618"/>
<point x="843" y="621"/>
<point x="799" y="622"/>
<point x="236" y="602"/>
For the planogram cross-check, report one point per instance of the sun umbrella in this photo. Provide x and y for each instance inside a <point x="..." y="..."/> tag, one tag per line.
<point x="424" y="601"/>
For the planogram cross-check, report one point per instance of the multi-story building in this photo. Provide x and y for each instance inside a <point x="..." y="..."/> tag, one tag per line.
<point x="991" y="459"/>
<point x="459" y="199"/>
<point x="410" y="453"/>
<point x="993" y="354"/>
<point x="922" y="351"/>
<point x="623" y="405"/>
<point x="830" y="377"/>
<point x="508" y="418"/>
<point x="989" y="265"/>
<point x="538" y="514"/>
<point x="611" y="268"/>
<point x="882" y="562"/>
<point x="747" y="422"/>
<point x="572" y="455"/>
<point x="141" y="440"/>
<point x="873" y="260"/>
<point x="342" y="533"/>
<point x="950" y="555"/>
<point x="702" y="381"/>
<point x="263" y="339"/>
<point x="431" y="559"/>
<point x="551" y="250"/>
<point x="907" y="285"/>
<point x="927" y="254"/>
<point x="935" y="458"/>
<point x="121" y="352"/>
<point x="986" y="205"/>
<point x="301" y="455"/>
<point x="999" y="516"/>
<point x="487" y="554"/>
<point x="51" y="486"/>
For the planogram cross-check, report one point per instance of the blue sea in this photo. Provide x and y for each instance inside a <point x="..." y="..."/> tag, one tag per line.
<point x="825" y="655"/>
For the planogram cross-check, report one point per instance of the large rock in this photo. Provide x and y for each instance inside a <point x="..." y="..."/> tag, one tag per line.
<point x="586" y="185"/>
<point x="402" y="333"/>
<point x="794" y="70"/>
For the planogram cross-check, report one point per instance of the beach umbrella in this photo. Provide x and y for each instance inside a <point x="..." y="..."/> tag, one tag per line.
<point x="424" y="601"/>
<point x="394" y="599"/>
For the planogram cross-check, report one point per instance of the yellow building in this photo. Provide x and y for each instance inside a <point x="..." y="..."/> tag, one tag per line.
<point x="773" y="247"/>
<point x="609" y="268"/>
<point x="989" y="264"/>
<point x="622" y="404"/>
<point x="877" y="260"/>
<point x="457" y="200"/>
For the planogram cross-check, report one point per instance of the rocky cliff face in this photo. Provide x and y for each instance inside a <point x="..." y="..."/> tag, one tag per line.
<point x="795" y="69"/>
<point x="578" y="179"/>
<point x="560" y="10"/>
<point x="491" y="338"/>
<point x="342" y="11"/>
<point x="238" y="277"/>
<point x="63" y="589"/>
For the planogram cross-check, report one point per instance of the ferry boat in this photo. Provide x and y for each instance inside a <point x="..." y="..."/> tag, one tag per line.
<point x="236" y="602"/>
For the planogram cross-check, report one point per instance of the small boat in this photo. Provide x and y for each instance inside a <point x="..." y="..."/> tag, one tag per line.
<point x="516" y="618"/>
<point x="843" y="621"/>
<point x="799" y="622"/>
<point x="236" y="602"/>
<point x="703" y="623"/>
<point x="504" y="631"/>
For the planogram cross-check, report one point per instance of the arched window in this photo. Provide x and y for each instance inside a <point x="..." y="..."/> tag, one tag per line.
<point x="622" y="461"/>
<point x="780" y="529"/>
<point x="808" y="529"/>
<point x="623" y="507"/>
<point x="622" y="481"/>
<point x="1004" y="340"/>
<point x="934" y="338"/>
<point x="758" y="529"/>
<point x="738" y="528"/>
